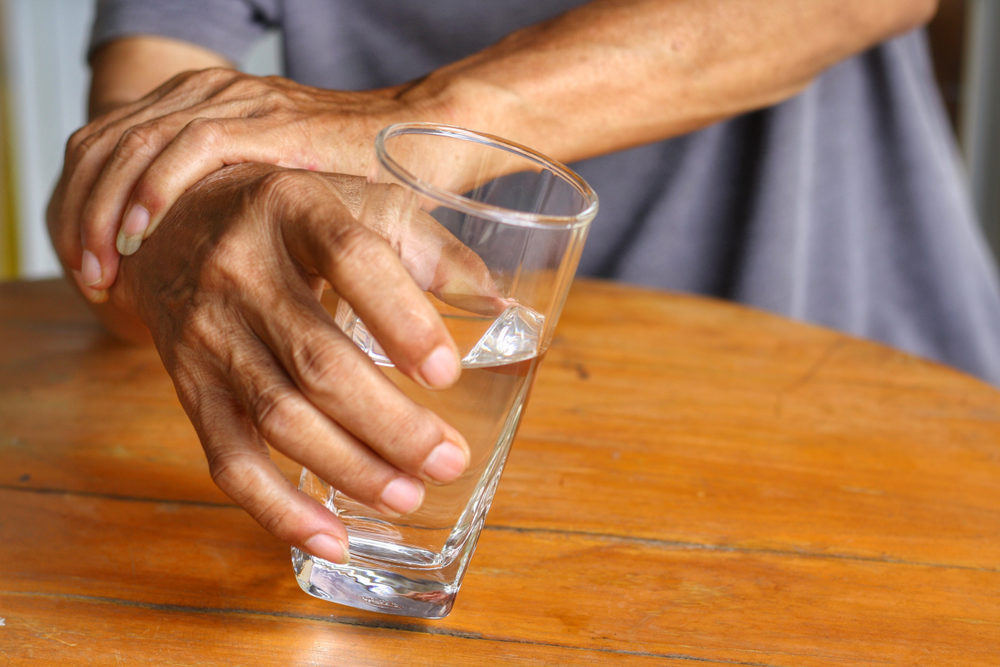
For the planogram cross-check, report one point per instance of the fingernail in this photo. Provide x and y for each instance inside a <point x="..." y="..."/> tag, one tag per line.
<point x="328" y="548"/>
<point x="92" y="295"/>
<point x="446" y="462"/>
<point x="402" y="495"/>
<point x="440" y="368"/>
<point x="133" y="228"/>
<point x="96" y="295"/>
<point x="127" y="245"/>
<point x="90" y="269"/>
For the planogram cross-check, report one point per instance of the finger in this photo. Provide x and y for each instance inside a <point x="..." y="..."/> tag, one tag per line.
<point x="102" y="210"/>
<point x="319" y="440"/>
<point x="320" y="233"/>
<point x="446" y="267"/>
<point x="65" y="236"/>
<point x="96" y="274"/>
<point x="177" y="92"/>
<point x="263" y="403"/>
<point x="109" y="227"/>
<point x="91" y="295"/>
<point x="202" y="146"/>
<point x="340" y="380"/>
<point x="438" y="262"/>
<point x="95" y="231"/>
<point x="66" y="242"/>
<point x="241" y="468"/>
<point x="95" y="191"/>
<point x="85" y="154"/>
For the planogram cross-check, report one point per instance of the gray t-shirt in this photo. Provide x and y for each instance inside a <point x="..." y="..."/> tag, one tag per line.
<point x="843" y="206"/>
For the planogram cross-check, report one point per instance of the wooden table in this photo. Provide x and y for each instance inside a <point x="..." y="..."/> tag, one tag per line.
<point x="693" y="482"/>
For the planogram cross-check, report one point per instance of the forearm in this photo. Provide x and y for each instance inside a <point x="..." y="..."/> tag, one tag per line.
<point x="608" y="75"/>
<point x="619" y="73"/>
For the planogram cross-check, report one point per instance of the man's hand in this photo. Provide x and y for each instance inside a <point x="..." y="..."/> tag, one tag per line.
<point x="124" y="170"/>
<point x="228" y="288"/>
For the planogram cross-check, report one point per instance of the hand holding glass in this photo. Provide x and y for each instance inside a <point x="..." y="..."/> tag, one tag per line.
<point x="494" y="231"/>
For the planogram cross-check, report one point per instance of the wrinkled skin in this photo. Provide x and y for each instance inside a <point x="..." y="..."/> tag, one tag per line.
<point x="123" y="171"/>
<point x="228" y="288"/>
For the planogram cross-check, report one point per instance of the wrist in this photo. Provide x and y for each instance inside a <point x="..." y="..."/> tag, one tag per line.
<point x="455" y="96"/>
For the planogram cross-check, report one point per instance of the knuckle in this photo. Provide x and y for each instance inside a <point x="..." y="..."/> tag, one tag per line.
<point x="201" y="327"/>
<point x="279" y="185"/>
<point x="320" y="363"/>
<point x="222" y="263"/>
<point x="217" y="74"/>
<point x="237" y="474"/>
<point x="138" y="140"/>
<point x="198" y="333"/>
<point x="206" y="133"/>
<point x="240" y="85"/>
<point x="355" y="247"/>
<point x="276" y="411"/>
<point x="389" y="207"/>
<point x="271" y="100"/>
<point x="284" y="192"/>
<point x="212" y="77"/>
<point x="75" y="141"/>
<point x="234" y="472"/>
<point x="226" y="265"/>
<point x="81" y="143"/>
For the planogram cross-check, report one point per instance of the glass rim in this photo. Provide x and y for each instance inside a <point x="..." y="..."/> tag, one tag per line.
<point x="496" y="213"/>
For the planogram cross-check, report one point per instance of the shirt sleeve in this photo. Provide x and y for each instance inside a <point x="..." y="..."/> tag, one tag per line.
<point x="228" y="27"/>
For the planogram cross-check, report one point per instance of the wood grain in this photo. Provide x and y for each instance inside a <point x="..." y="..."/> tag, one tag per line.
<point x="693" y="482"/>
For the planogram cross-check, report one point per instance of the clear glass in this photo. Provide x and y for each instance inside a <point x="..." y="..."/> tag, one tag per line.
<point x="494" y="232"/>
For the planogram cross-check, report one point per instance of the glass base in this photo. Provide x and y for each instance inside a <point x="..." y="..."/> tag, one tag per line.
<point x="373" y="588"/>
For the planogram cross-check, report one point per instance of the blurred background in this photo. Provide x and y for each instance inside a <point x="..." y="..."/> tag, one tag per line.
<point x="43" y="83"/>
<point x="43" y="97"/>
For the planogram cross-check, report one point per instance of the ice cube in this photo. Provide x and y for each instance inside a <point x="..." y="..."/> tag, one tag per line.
<point x="512" y="337"/>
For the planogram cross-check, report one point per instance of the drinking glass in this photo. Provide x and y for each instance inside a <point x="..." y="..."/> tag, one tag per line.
<point x="494" y="230"/>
